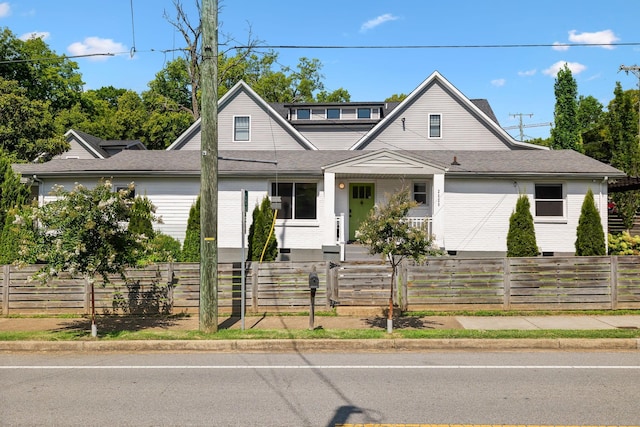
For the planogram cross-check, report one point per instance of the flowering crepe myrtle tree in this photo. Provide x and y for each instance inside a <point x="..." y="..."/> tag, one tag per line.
<point x="386" y="231"/>
<point x="84" y="231"/>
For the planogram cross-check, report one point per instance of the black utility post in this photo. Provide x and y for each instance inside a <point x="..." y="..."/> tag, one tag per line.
<point x="209" y="169"/>
<point x="314" y="283"/>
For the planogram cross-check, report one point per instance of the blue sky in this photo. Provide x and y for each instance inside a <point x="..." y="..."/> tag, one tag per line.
<point x="514" y="80"/>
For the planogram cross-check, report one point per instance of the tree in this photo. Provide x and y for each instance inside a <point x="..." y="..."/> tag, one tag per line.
<point x="82" y="232"/>
<point x="27" y="128"/>
<point x="566" y="133"/>
<point x="386" y="231"/>
<point x="191" y="245"/>
<point x="521" y="238"/>
<point x="396" y="97"/>
<point x="590" y="234"/>
<point x="590" y="120"/>
<point x="44" y="75"/>
<point x="13" y="195"/>
<point x="621" y="123"/>
<point x="263" y="245"/>
<point x="142" y="217"/>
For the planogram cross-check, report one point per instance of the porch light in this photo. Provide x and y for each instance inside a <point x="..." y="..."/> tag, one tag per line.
<point x="341" y="186"/>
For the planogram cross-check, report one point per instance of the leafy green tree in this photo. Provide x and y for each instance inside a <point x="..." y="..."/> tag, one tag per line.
<point x="591" y="121"/>
<point x="521" y="238"/>
<point x="191" y="245"/>
<point x="13" y="195"/>
<point x="163" y="248"/>
<point x="622" y="130"/>
<point x="81" y="232"/>
<point x="27" y="128"/>
<point x="142" y="217"/>
<point x="566" y="133"/>
<point x="44" y="75"/>
<point x="396" y="97"/>
<point x="590" y="234"/>
<point x="386" y="231"/>
<point x="259" y="248"/>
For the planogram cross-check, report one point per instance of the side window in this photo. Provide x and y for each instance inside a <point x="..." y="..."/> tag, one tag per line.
<point x="435" y="126"/>
<point x="333" y="113"/>
<point x="549" y="200"/>
<point x="298" y="199"/>
<point x="241" y="128"/>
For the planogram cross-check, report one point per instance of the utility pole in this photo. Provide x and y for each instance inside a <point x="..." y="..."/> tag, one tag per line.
<point x="208" y="313"/>
<point x="521" y="126"/>
<point x="635" y="70"/>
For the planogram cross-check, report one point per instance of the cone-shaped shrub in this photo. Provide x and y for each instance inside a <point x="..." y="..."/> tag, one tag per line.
<point x="590" y="234"/>
<point x="521" y="239"/>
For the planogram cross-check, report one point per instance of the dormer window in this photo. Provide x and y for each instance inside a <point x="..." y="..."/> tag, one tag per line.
<point x="364" y="113"/>
<point x="333" y="113"/>
<point x="303" y="113"/>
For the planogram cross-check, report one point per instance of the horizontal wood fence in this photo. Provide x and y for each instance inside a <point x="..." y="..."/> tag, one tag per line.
<point x="447" y="283"/>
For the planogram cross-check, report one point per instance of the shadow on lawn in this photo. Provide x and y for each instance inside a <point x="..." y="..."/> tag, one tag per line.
<point x="111" y="324"/>
<point x="404" y="323"/>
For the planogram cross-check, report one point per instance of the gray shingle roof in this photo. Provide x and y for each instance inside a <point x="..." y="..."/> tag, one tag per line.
<point x="303" y="162"/>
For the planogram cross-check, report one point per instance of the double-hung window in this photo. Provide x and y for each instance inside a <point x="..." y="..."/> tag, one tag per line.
<point x="420" y="193"/>
<point x="241" y="128"/>
<point x="299" y="199"/>
<point x="549" y="200"/>
<point x="435" y="126"/>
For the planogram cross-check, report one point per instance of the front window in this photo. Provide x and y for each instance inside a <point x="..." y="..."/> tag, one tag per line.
<point x="420" y="193"/>
<point x="364" y="113"/>
<point x="304" y="114"/>
<point x="549" y="200"/>
<point x="298" y="199"/>
<point x="435" y="126"/>
<point x="333" y="113"/>
<point x="241" y="126"/>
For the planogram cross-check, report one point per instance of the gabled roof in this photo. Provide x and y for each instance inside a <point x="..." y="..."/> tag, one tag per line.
<point x="257" y="163"/>
<point x="101" y="148"/>
<point x="226" y="98"/>
<point x="488" y="119"/>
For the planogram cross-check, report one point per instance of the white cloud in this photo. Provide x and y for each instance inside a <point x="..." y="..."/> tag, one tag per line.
<point x="95" y="46"/>
<point x="5" y="9"/>
<point x="575" y="67"/>
<point x="604" y="38"/>
<point x="560" y="46"/>
<point x="498" y="82"/>
<point x="527" y="73"/>
<point x="372" y="23"/>
<point x="44" y="35"/>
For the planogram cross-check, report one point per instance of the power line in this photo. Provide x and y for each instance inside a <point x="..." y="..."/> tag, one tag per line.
<point x="470" y="46"/>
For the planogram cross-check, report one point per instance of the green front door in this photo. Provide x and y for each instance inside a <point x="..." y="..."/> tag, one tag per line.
<point x="361" y="201"/>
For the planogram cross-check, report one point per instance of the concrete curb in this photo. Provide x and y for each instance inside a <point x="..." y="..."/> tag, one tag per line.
<point x="321" y="345"/>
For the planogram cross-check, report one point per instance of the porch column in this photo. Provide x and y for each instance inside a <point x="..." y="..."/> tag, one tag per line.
<point x="329" y="222"/>
<point x="438" y="216"/>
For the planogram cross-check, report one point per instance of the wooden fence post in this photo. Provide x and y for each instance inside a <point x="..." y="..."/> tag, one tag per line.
<point x="329" y="285"/>
<point x="6" y="270"/>
<point x="254" y="286"/>
<point x="403" y="284"/>
<point x="506" y="271"/>
<point x="614" y="282"/>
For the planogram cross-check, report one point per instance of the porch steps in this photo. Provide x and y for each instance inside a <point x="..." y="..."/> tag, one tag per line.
<point x="358" y="252"/>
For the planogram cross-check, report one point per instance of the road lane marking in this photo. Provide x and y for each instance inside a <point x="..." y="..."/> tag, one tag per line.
<point x="327" y="367"/>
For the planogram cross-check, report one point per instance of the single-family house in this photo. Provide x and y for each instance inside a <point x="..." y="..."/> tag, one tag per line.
<point x="330" y="163"/>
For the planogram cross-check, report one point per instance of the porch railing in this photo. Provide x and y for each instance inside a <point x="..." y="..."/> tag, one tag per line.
<point x="341" y="240"/>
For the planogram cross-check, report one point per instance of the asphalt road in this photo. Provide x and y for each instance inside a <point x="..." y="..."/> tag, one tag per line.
<point x="295" y="389"/>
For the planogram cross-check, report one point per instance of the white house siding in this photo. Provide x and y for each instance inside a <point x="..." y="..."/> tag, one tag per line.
<point x="460" y="129"/>
<point x="265" y="132"/>
<point x="193" y="143"/>
<point x="333" y="138"/>
<point x="478" y="212"/>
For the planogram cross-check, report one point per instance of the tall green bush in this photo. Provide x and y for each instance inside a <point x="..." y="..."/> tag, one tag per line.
<point x="260" y="231"/>
<point x="521" y="239"/>
<point x="191" y="245"/>
<point x="590" y="234"/>
<point x="142" y="216"/>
